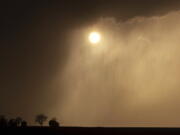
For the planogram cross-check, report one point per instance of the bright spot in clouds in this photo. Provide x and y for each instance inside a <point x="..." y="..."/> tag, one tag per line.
<point x="94" y="37"/>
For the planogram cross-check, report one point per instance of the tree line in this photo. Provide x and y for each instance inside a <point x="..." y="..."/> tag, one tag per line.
<point x="19" y="122"/>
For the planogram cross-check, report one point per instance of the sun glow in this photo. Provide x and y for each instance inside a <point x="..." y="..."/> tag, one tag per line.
<point x="94" y="37"/>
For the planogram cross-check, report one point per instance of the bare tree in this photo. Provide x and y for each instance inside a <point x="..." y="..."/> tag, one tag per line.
<point x="19" y="121"/>
<point x="12" y="123"/>
<point x="41" y="118"/>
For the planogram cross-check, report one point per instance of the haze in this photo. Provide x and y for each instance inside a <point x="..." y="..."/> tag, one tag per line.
<point x="131" y="78"/>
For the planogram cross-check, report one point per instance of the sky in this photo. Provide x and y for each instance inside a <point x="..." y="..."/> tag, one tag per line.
<point x="130" y="79"/>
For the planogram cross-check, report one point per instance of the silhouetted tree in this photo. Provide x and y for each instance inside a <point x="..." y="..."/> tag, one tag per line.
<point x="23" y="123"/>
<point x="53" y="123"/>
<point x="3" y="121"/>
<point x="18" y="121"/>
<point x="12" y="123"/>
<point x="41" y="118"/>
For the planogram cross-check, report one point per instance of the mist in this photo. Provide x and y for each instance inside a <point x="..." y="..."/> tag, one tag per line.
<point x="131" y="78"/>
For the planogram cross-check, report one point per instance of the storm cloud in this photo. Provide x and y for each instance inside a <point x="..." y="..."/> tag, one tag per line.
<point x="130" y="79"/>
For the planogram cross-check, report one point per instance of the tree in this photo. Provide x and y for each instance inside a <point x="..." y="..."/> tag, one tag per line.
<point x="23" y="123"/>
<point x="53" y="123"/>
<point x="12" y="123"/>
<point x="18" y="121"/>
<point x="3" y="121"/>
<point x="41" y="118"/>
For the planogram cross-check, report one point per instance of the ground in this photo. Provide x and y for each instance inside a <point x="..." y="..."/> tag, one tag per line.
<point x="89" y="131"/>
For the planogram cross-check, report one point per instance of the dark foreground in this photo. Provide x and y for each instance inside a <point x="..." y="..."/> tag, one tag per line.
<point x="89" y="131"/>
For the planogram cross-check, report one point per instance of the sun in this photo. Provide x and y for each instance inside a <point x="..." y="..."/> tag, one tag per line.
<point x="94" y="37"/>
